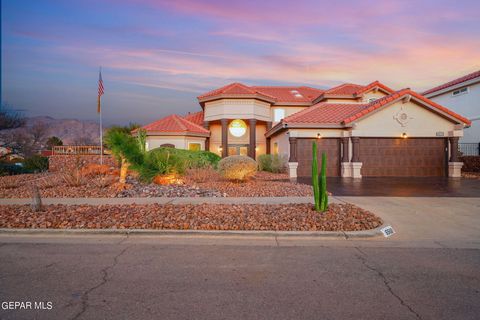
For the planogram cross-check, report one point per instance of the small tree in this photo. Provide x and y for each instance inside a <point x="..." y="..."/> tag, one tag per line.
<point x="319" y="183"/>
<point x="126" y="150"/>
<point x="10" y="119"/>
<point x="53" y="141"/>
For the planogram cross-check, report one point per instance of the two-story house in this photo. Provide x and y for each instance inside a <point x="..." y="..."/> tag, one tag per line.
<point x="365" y="130"/>
<point x="462" y="95"/>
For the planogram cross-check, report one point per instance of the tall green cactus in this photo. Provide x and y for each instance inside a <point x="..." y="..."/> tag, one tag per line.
<point x="319" y="183"/>
<point x="316" y="187"/>
<point x="323" y="184"/>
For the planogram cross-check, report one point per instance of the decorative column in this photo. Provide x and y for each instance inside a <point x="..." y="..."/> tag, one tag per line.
<point x="454" y="165"/>
<point x="269" y="126"/>
<point x="224" y="123"/>
<point x="206" y="125"/>
<point x="356" y="164"/>
<point x="292" y="161"/>
<point x="345" y="149"/>
<point x="453" y="149"/>
<point x="355" y="149"/>
<point x="346" y="167"/>
<point x="253" y="138"/>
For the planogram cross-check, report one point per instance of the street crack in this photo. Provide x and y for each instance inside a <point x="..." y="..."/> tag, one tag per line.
<point x="362" y="257"/>
<point x="105" y="279"/>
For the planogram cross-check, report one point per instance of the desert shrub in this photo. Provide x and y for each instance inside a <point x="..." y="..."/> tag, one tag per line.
<point x="470" y="163"/>
<point x="7" y="169"/>
<point x="36" y="163"/>
<point x="103" y="181"/>
<point x="94" y="169"/>
<point x="279" y="163"/>
<point x="74" y="177"/>
<point x="264" y="162"/>
<point x="201" y="175"/>
<point x="168" y="160"/>
<point x="272" y="163"/>
<point x="237" y="168"/>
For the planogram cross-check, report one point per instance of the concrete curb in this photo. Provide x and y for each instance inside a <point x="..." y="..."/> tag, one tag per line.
<point x="223" y="233"/>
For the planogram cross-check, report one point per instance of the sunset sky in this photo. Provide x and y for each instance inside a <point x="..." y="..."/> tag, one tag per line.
<point x="157" y="56"/>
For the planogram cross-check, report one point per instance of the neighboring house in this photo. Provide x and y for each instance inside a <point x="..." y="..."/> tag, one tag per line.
<point x="367" y="130"/>
<point x="461" y="95"/>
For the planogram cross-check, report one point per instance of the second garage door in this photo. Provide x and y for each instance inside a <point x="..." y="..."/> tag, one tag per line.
<point x="304" y="156"/>
<point x="397" y="157"/>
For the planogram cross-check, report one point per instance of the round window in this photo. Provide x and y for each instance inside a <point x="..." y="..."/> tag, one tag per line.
<point x="237" y="128"/>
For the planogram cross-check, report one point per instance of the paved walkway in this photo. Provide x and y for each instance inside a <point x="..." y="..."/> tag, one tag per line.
<point x="164" y="200"/>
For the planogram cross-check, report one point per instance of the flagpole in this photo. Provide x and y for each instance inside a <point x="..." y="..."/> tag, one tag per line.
<point x="101" y="124"/>
<point x="101" y="137"/>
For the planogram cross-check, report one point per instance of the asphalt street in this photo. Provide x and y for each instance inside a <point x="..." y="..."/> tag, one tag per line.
<point x="178" y="277"/>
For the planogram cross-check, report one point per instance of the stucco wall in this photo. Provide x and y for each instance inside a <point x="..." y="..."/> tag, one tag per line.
<point x="237" y="109"/>
<point x="180" y="142"/>
<point x="421" y="122"/>
<point x="371" y="94"/>
<point x="283" y="144"/>
<point x="289" y="110"/>
<point x="468" y="105"/>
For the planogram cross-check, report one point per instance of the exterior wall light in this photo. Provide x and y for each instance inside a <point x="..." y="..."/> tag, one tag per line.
<point x="404" y="135"/>
<point x="319" y="136"/>
<point x="256" y="148"/>
<point x="220" y="149"/>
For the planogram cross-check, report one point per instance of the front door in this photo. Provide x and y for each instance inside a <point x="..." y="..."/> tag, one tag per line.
<point x="237" y="149"/>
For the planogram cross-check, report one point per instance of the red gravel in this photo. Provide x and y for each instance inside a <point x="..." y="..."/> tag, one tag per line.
<point x="52" y="185"/>
<point x="292" y="217"/>
<point x="263" y="184"/>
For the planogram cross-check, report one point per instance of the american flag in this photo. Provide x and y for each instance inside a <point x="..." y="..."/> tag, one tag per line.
<point x="100" y="90"/>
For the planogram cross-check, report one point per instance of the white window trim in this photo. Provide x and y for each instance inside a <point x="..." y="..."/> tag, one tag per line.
<point x="275" y="119"/>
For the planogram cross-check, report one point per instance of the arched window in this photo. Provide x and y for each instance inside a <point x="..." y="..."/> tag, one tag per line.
<point x="167" y="145"/>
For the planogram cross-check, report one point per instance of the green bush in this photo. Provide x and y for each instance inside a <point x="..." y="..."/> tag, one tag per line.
<point x="169" y="160"/>
<point x="237" y="168"/>
<point x="272" y="163"/>
<point x="36" y="163"/>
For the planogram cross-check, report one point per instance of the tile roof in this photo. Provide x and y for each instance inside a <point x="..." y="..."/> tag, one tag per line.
<point x="196" y="117"/>
<point x="345" y="113"/>
<point x="175" y="124"/>
<point x="236" y="89"/>
<point x="344" y="89"/>
<point x="452" y="83"/>
<point x="290" y="94"/>
<point x="324" y="112"/>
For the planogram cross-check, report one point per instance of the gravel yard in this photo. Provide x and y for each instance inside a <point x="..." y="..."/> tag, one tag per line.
<point x="291" y="217"/>
<point x="53" y="185"/>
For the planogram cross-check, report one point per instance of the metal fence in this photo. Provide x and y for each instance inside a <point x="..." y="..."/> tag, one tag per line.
<point x="469" y="149"/>
<point x="83" y="150"/>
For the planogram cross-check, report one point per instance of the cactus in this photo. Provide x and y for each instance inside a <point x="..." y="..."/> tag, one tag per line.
<point x="323" y="184"/>
<point x="316" y="187"/>
<point x="319" y="183"/>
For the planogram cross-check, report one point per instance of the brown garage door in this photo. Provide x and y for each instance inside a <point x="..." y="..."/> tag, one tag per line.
<point x="304" y="156"/>
<point x="412" y="157"/>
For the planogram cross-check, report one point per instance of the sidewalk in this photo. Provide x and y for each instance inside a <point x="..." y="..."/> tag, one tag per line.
<point x="165" y="200"/>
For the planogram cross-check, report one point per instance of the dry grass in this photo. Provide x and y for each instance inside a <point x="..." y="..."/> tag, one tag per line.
<point x="202" y="175"/>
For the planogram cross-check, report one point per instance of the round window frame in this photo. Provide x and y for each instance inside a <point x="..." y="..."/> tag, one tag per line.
<point x="233" y="130"/>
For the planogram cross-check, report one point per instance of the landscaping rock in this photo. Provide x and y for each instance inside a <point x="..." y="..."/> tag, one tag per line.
<point x="291" y="217"/>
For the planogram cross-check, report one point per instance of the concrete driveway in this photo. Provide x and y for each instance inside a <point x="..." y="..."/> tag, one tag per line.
<point x="448" y="222"/>
<point x="402" y="187"/>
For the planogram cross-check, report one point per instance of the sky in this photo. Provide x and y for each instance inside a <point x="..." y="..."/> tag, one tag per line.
<point x="158" y="56"/>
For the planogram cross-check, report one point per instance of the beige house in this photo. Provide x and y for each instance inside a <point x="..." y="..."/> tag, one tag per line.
<point x="367" y="130"/>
